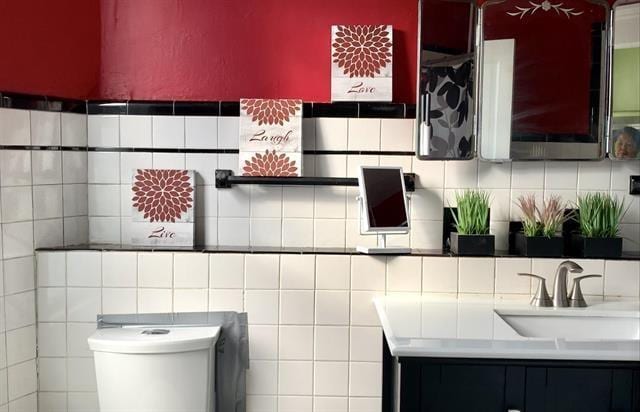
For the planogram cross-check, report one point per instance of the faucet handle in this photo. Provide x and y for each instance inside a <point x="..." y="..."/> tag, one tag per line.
<point x="576" y="299"/>
<point x="541" y="298"/>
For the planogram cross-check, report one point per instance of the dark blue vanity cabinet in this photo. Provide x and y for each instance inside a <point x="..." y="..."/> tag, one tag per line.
<point x="422" y="384"/>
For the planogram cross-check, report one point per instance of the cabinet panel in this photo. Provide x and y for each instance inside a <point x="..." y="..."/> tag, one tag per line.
<point x="578" y="390"/>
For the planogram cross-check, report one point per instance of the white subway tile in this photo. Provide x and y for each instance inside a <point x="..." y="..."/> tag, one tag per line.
<point x="266" y="232"/>
<point x="561" y="175"/>
<point x="309" y="134"/>
<point x="190" y="300"/>
<point x="296" y="307"/>
<point x="404" y="274"/>
<point x="83" y="402"/>
<point x="426" y="234"/>
<point x="494" y="175"/>
<point x="77" y="335"/>
<point x="51" y="268"/>
<point x="331" y="378"/>
<point x="461" y="174"/>
<point x="45" y="128"/>
<point x="228" y="132"/>
<point x="622" y="278"/>
<point x="104" y="167"/>
<point x="365" y="344"/>
<point x="75" y="199"/>
<point x="295" y="343"/>
<point x="22" y="379"/>
<point x="363" y="312"/>
<point x="476" y="275"/>
<point x="52" y="303"/>
<point x="262" y="271"/>
<point x="297" y="202"/>
<point x="233" y="231"/>
<point x="620" y="172"/>
<point x="52" y="374"/>
<point x="354" y="162"/>
<point x="75" y="167"/>
<point x="330" y="202"/>
<point x="368" y="273"/>
<point x="191" y="270"/>
<point x="201" y="132"/>
<point x="21" y="344"/>
<point x="47" y="202"/>
<point x="329" y="233"/>
<point x="226" y="270"/>
<point x="168" y="160"/>
<point x="52" y="339"/>
<point x="119" y="269"/>
<point x="266" y="201"/>
<point x="365" y="404"/>
<point x="331" y="343"/>
<point x="263" y="344"/>
<point x="507" y="278"/>
<point x="155" y="269"/>
<point x="19" y="275"/>
<point x="131" y="161"/>
<point x="427" y="204"/>
<point x="84" y="268"/>
<point x="17" y="204"/>
<point x="135" y="131"/>
<point x="262" y="378"/>
<point x="429" y="173"/>
<point x="47" y="233"/>
<point x="226" y="299"/>
<point x="331" y="133"/>
<point x="397" y="135"/>
<point x="364" y="134"/>
<point x="154" y="300"/>
<point x="83" y="304"/>
<point x="15" y="127"/>
<point x="262" y="306"/>
<point x="26" y="403"/>
<point x="52" y="401"/>
<point x="332" y="307"/>
<point x="594" y="175"/>
<point x="365" y="379"/>
<point x="105" y="230"/>
<point x="295" y="377"/>
<point x="262" y="403"/>
<point x="103" y="131"/>
<point x="81" y="375"/>
<point x="235" y="203"/>
<point x="331" y="165"/>
<point x="15" y="167"/>
<point x="527" y="175"/>
<point x="168" y="131"/>
<point x="295" y="403"/>
<point x="74" y="129"/>
<point x="119" y="300"/>
<point x="19" y="310"/>
<point x="332" y="272"/>
<point x="297" y="271"/>
<point x="17" y="239"/>
<point x="297" y="232"/>
<point x="330" y="404"/>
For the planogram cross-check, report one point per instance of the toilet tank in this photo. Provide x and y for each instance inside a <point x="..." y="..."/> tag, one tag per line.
<point x="144" y="369"/>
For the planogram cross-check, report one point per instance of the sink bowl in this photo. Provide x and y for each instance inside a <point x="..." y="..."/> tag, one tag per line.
<point x="573" y="327"/>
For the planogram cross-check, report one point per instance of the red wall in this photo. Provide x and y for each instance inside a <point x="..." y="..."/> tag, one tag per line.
<point x="50" y="47"/>
<point x="228" y="49"/>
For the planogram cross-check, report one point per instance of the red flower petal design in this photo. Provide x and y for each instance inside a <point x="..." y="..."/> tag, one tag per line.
<point x="162" y="195"/>
<point x="362" y="51"/>
<point x="270" y="111"/>
<point x="270" y="164"/>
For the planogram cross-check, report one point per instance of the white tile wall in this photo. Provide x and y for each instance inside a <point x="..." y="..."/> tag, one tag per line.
<point x="43" y="200"/>
<point x="305" y="216"/>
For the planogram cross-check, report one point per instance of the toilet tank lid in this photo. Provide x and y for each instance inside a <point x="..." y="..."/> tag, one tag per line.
<point x="153" y="339"/>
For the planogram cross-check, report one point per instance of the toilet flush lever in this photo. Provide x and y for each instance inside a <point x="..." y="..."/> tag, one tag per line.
<point x="541" y="298"/>
<point x="155" y="331"/>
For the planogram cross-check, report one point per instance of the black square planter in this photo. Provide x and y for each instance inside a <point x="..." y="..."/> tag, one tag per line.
<point x="473" y="245"/>
<point x="596" y="247"/>
<point x="539" y="246"/>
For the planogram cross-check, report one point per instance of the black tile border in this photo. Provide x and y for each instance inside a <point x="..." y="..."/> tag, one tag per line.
<point x="280" y="250"/>
<point x="199" y="108"/>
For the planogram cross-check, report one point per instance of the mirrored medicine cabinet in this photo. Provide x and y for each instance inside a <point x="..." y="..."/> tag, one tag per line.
<point x="528" y="80"/>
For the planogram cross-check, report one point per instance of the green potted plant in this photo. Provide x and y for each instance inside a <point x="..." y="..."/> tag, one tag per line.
<point x="541" y="227"/>
<point x="598" y="216"/>
<point x="471" y="219"/>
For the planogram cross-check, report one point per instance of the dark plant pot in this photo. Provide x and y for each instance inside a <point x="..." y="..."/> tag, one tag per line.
<point x="539" y="246"/>
<point x="473" y="245"/>
<point x="596" y="247"/>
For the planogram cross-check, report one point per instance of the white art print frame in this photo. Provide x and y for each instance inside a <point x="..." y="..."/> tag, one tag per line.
<point x="362" y="63"/>
<point x="270" y="137"/>
<point x="163" y="207"/>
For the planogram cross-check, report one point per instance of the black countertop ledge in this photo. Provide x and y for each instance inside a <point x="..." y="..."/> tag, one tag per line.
<point x="284" y="250"/>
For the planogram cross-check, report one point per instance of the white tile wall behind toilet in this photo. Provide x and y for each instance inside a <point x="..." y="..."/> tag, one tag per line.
<point x="315" y="341"/>
<point x="321" y="216"/>
<point x="42" y="203"/>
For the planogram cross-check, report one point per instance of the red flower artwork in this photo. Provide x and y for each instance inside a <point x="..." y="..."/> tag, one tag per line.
<point x="362" y="51"/>
<point x="163" y="195"/>
<point x="270" y="111"/>
<point x="270" y="164"/>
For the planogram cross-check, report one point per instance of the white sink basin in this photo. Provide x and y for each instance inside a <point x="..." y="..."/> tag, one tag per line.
<point x="547" y="324"/>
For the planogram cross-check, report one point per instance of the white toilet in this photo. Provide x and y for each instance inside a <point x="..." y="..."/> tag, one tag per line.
<point x="159" y="369"/>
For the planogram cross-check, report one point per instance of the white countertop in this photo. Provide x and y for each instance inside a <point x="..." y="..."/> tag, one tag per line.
<point x="470" y="328"/>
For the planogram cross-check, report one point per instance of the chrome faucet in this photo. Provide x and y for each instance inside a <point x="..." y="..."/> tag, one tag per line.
<point x="560" y="299"/>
